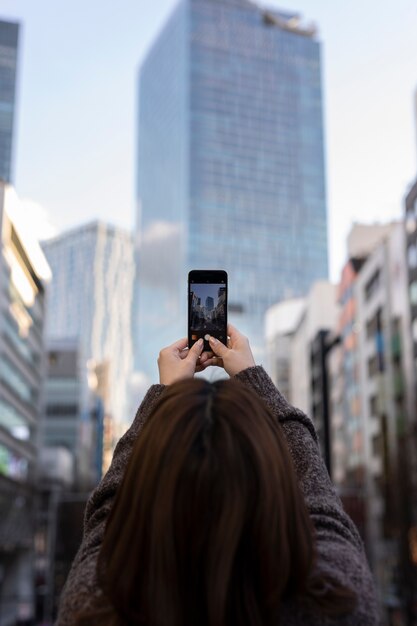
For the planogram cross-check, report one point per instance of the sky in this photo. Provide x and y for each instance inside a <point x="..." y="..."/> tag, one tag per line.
<point x="75" y="144"/>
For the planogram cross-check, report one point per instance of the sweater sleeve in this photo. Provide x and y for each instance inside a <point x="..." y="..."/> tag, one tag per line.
<point x="340" y="551"/>
<point x="81" y="585"/>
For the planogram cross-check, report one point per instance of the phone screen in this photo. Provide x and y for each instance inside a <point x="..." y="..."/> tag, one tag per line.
<point x="207" y="306"/>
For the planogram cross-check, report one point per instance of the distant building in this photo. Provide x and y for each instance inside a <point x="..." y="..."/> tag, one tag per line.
<point x="24" y="274"/>
<point x="9" y="42"/>
<point x="346" y="409"/>
<point x="71" y="464"/>
<point x="347" y="446"/>
<point x="385" y="377"/>
<point x="230" y="166"/>
<point x="320" y="313"/>
<point x="73" y="420"/>
<point x="90" y="301"/>
<point x="281" y="322"/>
<point x="411" y="256"/>
<point x="321" y="347"/>
<point x="209" y="303"/>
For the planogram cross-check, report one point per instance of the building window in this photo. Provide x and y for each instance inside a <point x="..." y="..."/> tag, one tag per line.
<point x="413" y="293"/>
<point x="15" y="381"/>
<point x="376" y="364"/>
<point x="412" y="256"/>
<point x="62" y="410"/>
<point x="410" y="223"/>
<point x="377" y="445"/>
<point x="13" y="421"/>
<point x="12" y="465"/>
<point x="373" y="406"/>
<point x="372" y="285"/>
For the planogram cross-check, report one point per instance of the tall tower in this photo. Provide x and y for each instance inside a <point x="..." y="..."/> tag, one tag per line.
<point x="9" y="36"/>
<point x="230" y="166"/>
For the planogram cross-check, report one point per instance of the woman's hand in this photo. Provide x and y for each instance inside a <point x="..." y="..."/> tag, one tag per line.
<point x="177" y="362"/>
<point x="235" y="357"/>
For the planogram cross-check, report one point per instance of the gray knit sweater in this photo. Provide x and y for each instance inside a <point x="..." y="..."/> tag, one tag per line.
<point x="339" y="546"/>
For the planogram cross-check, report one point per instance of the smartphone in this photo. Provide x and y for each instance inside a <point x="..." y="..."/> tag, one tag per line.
<point x="207" y="306"/>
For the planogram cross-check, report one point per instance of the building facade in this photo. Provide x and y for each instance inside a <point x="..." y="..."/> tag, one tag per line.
<point x="71" y="464"/>
<point x="346" y="400"/>
<point x="24" y="274"/>
<point x="72" y="420"/>
<point x="90" y="301"/>
<point x="281" y="322"/>
<point x="230" y="166"/>
<point x="387" y="395"/>
<point x="9" y="40"/>
<point x="320" y="313"/>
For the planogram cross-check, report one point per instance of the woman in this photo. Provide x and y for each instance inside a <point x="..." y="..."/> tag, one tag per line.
<point x="217" y="510"/>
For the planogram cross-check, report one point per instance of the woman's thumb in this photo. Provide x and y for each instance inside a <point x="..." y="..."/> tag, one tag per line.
<point x="195" y="350"/>
<point x="217" y="346"/>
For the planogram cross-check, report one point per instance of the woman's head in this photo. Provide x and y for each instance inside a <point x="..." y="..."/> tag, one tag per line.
<point x="209" y="524"/>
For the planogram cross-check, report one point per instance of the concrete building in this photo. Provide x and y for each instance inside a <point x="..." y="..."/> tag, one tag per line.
<point x="411" y="260"/>
<point x="24" y="274"/>
<point x="385" y="368"/>
<point x="320" y="313"/>
<point x="281" y="321"/>
<point x="345" y="392"/>
<point x="90" y="301"/>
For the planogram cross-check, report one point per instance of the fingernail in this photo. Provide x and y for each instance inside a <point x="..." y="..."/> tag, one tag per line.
<point x="200" y="342"/>
<point x="213" y="340"/>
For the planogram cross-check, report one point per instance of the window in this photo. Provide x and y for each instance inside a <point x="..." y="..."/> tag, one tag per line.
<point x="15" y="381"/>
<point x="413" y="293"/>
<point x="376" y="364"/>
<point x="13" y="421"/>
<point x="412" y="256"/>
<point x="372" y="285"/>
<point x="410" y="224"/>
<point x="373" y="406"/>
<point x="62" y="410"/>
<point x="12" y="465"/>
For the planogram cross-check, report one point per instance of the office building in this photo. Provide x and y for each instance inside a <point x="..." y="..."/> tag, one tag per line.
<point x="24" y="274"/>
<point x="71" y="464"/>
<point x="90" y="301"/>
<point x="9" y="40"/>
<point x="230" y="166"/>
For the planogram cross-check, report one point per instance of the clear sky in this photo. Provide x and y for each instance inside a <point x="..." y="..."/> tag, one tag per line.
<point x="76" y="127"/>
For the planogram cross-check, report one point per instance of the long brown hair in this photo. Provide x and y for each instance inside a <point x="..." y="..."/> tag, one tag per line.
<point x="209" y="525"/>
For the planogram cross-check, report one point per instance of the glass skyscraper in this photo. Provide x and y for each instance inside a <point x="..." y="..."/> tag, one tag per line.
<point x="9" y="36"/>
<point x="230" y="166"/>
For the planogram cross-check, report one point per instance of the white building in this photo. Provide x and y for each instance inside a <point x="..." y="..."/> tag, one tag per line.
<point x="281" y="321"/>
<point x="320" y="313"/>
<point x="90" y="300"/>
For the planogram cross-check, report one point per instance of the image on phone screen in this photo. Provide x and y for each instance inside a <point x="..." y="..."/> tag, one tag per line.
<point x="207" y="306"/>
